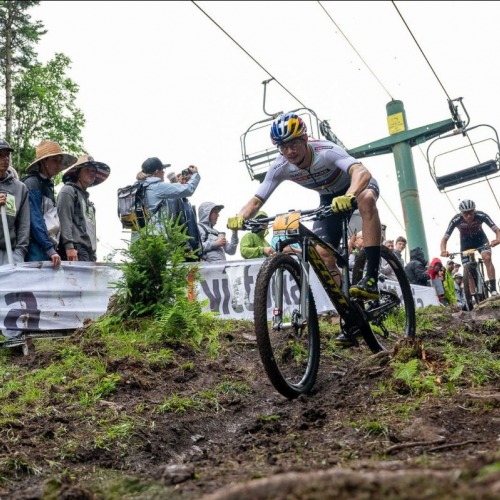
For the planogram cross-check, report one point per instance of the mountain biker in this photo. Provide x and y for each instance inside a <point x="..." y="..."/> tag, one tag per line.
<point x="469" y="223"/>
<point x="339" y="179"/>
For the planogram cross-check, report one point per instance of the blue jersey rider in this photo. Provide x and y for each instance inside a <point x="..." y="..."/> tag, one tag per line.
<point x="338" y="178"/>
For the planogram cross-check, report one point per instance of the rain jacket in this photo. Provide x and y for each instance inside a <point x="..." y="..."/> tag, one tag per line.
<point x="415" y="269"/>
<point x="209" y="235"/>
<point x="253" y="244"/>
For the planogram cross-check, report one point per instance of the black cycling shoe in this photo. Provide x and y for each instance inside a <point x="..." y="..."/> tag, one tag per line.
<point x="344" y="341"/>
<point x="367" y="288"/>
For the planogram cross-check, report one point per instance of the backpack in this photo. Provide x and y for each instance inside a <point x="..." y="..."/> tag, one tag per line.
<point x="132" y="208"/>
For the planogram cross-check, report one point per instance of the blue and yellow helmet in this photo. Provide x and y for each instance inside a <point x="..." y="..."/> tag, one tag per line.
<point x="287" y="127"/>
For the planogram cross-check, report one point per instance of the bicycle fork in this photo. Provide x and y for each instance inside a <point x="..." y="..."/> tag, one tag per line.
<point x="300" y="315"/>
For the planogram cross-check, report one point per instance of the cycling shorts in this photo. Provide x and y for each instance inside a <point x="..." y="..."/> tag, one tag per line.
<point x="330" y="228"/>
<point x="480" y="243"/>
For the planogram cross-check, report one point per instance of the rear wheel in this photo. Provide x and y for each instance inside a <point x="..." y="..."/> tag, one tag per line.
<point x="392" y="316"/>
<point x="288" y="339"/>
<point x="470" y="286"/>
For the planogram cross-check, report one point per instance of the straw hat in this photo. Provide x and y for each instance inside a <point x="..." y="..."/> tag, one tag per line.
<point x="46" y="149"/>
<point x="103" y="170"/>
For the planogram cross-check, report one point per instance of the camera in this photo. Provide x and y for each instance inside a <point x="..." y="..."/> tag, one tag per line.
<point x="186" y="172"/>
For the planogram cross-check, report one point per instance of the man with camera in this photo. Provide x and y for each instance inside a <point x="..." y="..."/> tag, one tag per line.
<point x="167" y="199"/>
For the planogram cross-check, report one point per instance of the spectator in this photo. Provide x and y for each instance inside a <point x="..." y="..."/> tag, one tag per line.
<point x="292" y="248"/>
<point x="443" y="282"/>
<point x="14" y="196"/>
<point x="450" y="266"/>
<point x="389" y="244"/>
<point x="459" y="291"/>
<point x="399" y="248"/>
<point x="185" y="212"/>
<point x="354" y="245"/>
<point x="172" y="177"/>
<point x="160" y="198"/>
<point x="385" y="268"/>
<point x="77" y="212"/>
<point x="45" y="225"/>
<point x="214" y="244"/>
<point x="255" y="245"/>
<point x="456" y="268"/>
<point x="416" y="269"/>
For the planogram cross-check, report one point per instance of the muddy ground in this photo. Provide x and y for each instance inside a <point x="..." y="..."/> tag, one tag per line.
<point x="358" y="435"/>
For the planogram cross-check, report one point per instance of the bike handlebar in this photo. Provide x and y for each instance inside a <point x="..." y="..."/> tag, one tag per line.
<point x="319" y="213"/>
<point x="470" y="251"/>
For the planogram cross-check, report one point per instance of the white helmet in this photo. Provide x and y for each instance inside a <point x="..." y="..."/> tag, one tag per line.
<point x="466" y="205"/>
<point x="457" y="275"/>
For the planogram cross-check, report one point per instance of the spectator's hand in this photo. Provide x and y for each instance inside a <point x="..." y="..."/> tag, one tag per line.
<point x="3" y="198"/>
<point x="72" y="254"/>
<point x="269" y="251"/>
<point x="235" y="222"/>
<point x="445" y="253"/>
<point x="56" y="260"/>
<point x="344" y="203"/>
<point x="221" y="242"/>
<point x="194" y="170"/>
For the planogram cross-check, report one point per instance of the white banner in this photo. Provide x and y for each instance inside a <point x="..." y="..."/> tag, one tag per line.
<point x="36" y="297"/>
<point x="229" y="288"/>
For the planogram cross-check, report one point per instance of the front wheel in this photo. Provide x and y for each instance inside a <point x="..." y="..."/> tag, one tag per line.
<point x="392" y="316"/>
<point x="287" y="335"/>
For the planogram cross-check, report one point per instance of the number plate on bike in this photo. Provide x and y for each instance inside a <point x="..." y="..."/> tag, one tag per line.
<point x="287" y="224"/>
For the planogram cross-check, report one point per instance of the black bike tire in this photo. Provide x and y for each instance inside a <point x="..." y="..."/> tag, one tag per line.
<point x="265" y="346"/>
<point x="404" y="285"/>
<point x="468" y="275"/>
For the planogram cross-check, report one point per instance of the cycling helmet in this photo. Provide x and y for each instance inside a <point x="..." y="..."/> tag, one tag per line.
<point x="287" y="127"/>
<point x="466" y="205"/>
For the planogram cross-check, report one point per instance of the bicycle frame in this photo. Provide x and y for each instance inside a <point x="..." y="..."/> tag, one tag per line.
<point x="294" y="231"/>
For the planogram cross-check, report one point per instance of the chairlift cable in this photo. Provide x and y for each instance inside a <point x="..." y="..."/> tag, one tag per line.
<point x="357" y="53"/>
<point x="392" y="213"/>
<point x="249" y="55"/>
<point x="420" y="48"/>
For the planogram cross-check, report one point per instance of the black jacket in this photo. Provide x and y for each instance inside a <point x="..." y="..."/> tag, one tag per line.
<point x="415" y="269"/>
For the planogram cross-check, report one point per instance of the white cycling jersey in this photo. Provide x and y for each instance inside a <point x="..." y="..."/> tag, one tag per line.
<point x="328" y="173"/>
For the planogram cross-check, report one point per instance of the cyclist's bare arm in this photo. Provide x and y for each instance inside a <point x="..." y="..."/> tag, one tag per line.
<point x="360" y="178"/>
<point x="444" y="252"/>
<point x="251" y="208"/>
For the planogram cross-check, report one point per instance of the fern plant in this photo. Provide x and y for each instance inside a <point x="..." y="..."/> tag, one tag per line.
<point x="153" y="272"/>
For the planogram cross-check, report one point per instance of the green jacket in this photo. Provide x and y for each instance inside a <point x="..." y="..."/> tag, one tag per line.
<point x="449" y="288"/>
<point x="252" y="245"/>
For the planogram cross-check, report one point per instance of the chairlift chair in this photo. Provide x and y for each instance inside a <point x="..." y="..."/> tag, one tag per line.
<point x="479" y="143"/>
<point x="256" y="151"/>
<point x="258" y="162"/>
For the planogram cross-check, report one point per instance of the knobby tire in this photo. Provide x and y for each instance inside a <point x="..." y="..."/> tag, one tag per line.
<point x="291" y="375"/>
<point x="408" y="330"/>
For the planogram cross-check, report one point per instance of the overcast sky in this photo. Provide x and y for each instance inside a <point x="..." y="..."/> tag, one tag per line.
<point x="161" y="79"/>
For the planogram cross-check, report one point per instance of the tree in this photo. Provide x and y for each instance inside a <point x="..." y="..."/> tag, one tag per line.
<point x="44" y="108"/>
<point x="18" y="34"/>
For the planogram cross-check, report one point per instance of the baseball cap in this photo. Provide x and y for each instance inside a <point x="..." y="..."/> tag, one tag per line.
<point x="152" y="165"/>
<point x="457" y="275"/>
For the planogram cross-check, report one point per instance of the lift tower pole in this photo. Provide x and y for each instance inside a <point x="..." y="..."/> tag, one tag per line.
<point x="399" y="143"/>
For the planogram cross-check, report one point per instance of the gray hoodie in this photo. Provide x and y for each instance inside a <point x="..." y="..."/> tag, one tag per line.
<point x="209" y="235"/>
<point x="18" y="218"/>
